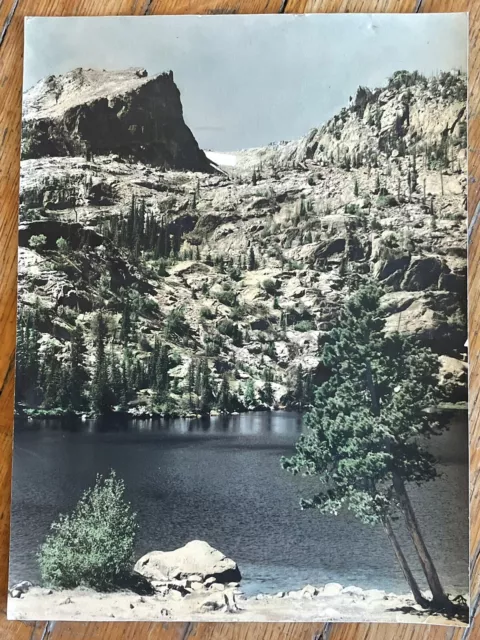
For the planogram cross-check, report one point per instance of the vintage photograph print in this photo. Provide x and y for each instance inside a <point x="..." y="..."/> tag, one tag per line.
<point x="241" y="367"/>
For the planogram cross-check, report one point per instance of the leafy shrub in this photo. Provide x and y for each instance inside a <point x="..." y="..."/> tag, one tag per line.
<point x="93" y="545"/>
<point x="228" y="328"/>
<point x="386" y="201"/>
<point x="175" y="323"/>
<point x="269" y="286"/>
<point x="228" y="298"/>
<point x="304" y="325"/>
<point x="62" y="245"/>
<point x="207" y="313"/>
<point x="37" y="242"/>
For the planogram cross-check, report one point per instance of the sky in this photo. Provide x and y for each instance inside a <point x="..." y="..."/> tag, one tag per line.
<point x="247" y="80"/>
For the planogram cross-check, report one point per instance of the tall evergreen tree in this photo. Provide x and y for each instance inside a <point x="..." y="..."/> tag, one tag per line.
<point x="250" y="397"/>
<point x="252" y="262"/>
<point x="367" y="428"/>
<point x="76" y="371"/>
<point x="101" y="397"/>
<point x="206" y="395"/>
<point x="191" y="383"/>
<point x="224" y="395"/>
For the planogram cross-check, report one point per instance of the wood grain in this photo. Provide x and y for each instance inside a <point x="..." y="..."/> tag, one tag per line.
<point x="12" y="13"/>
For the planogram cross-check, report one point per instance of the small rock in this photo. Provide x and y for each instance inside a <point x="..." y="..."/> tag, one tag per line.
<point x="209" y="581"/>
<point x="165" y="612"/>
<point x="353" y="591"/>
<point x="175" y="595"/>
<point x="280" y="594"/>
<point x="332" y="589"/>
<point x="131" y="606"/>
<point x="217" y="586"/>
<point x="22" y="586"/>
<point x="233" y="584"/>
<point x="47" y="592"/>
<point x="216" y="602"/>
<point x="196" y="578"/>
<point x="259" y="596"/>
<point x="310" y="590"/>
<point x="16" y="593"/>
<point x="67" y="601"/>
<point x="196" y="586"/>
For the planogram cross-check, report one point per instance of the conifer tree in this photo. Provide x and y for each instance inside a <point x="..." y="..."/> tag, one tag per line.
<point x="191" y="383"/>
<point x="250" y="397"/>
<point x="267" y="393"/>
<point x="206" y="395"/>
<point x="298" y="391"/>
<point x="224" y="395"/>
<point x="367" y="428"/>
<point x="76" y="371"/>
<point x="101" y="397"/>
<point x="252" y="263"/>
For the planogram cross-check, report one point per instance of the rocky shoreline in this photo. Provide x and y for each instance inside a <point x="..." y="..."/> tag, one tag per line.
<point x="310" y="604"/>
<point x="199" y="583"/>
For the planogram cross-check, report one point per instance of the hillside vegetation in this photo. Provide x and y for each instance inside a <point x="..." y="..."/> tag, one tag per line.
<point x="148" y="287"/>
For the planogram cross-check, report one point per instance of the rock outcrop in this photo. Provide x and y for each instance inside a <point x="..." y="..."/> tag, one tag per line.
<point x="196" y="558"/>
<point x="88" y="112"/>
<point x="258" y="259"/>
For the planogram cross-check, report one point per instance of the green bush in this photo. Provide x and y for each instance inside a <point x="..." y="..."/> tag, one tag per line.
<point x="304" y="325"/>
<point x="37" y="242"/>
<point x="386" y="201"/>
<point x="228" y="298"/>
<point x="93" y="545"/>
<point x="176" y="324"/>
<point x="207" y="313"/>
<point x="62" y="245"/>
<point x="269" y="286"/>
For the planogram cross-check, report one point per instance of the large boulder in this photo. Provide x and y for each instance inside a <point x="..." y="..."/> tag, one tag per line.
<point x="195" y="558"/>
<point x="424" y="273"/>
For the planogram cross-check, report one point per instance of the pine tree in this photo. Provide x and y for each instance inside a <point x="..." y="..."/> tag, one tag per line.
<point x="224" y="395"/>
<point x="355" y="188"/>
<point x="76" y="371"/>
<point x="250" y="397"/>
<point x="126" y="322"/>
<point x="267" y="394"/>
<point x="367" y="428"/>
<point x="298" y="391"/>
<point x="252" y="263"/>
<point x="101" y="397"/>
<point x="191" y="383"/>
<point x="206" y="394"/>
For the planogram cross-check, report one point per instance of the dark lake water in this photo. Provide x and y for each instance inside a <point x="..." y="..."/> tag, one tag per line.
<point x="220" y="480"/>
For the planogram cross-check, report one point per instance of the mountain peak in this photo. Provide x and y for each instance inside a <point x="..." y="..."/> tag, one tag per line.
<point x="126" y="112"/>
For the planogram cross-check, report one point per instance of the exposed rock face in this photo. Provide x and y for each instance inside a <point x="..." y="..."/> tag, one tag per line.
<point x="195" y="558"/>
<point x="375" y="198"/>
<point x="101" y="112"/>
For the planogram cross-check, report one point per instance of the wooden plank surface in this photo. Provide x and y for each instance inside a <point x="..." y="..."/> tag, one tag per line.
<point x="12" y="13"/>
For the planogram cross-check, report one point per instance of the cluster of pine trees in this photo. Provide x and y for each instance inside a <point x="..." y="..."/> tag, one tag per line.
<point x="139" y="231"/>
<point x="57" y="377"/>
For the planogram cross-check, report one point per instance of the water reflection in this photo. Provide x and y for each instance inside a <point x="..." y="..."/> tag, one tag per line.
<point x="219" y="479"/>
<point x="282" y="423"/>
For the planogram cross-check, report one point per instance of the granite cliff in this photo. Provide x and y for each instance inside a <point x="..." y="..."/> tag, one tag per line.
<point x="89" y="112"/>
<point x="228" y="281"/>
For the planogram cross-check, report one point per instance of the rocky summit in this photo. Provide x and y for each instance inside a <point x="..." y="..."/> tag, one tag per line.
<point x="155" y="280"/>
<point x="100" y="112"/>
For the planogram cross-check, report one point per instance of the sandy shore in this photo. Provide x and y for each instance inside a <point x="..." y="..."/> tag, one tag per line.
<point x="85" y="604"/>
